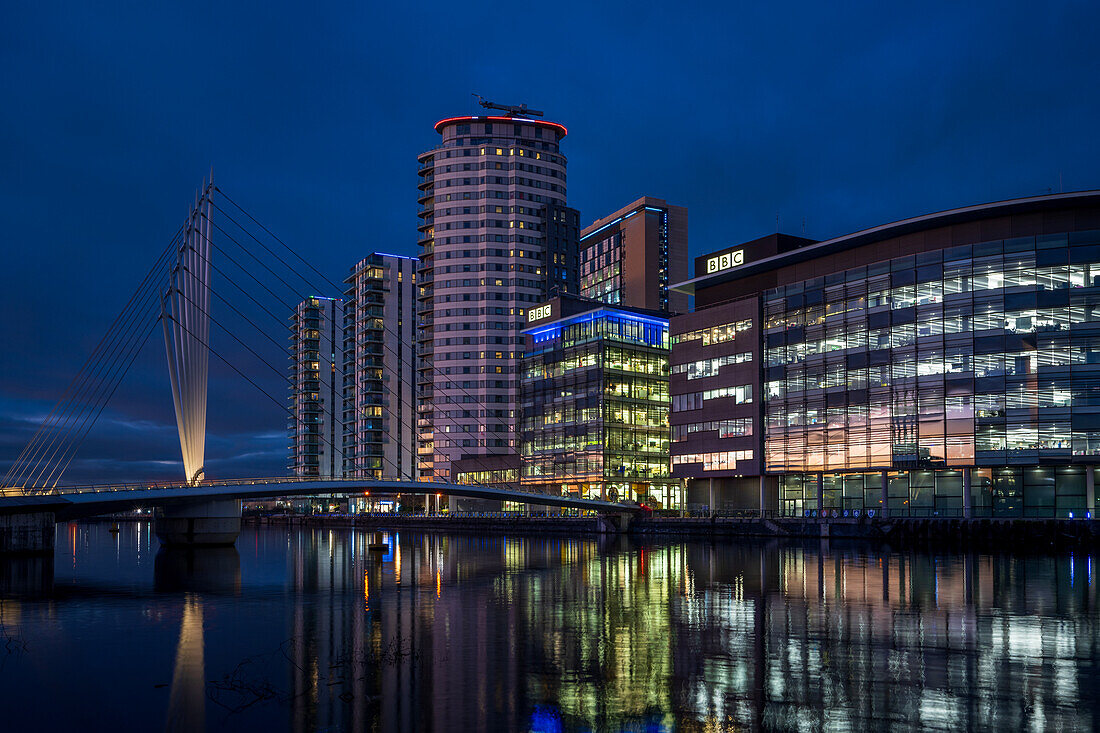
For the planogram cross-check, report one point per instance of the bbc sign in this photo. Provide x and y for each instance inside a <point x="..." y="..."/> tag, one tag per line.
<point x="726" y="261"/>
<point x="535" y="314"/>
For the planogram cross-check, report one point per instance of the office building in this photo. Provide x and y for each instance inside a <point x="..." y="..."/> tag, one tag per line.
<point x="944" y="365"/>
<point x="379" y="327"/>
<point x="595" y="402"/>
<point x="492" y="196"/>
<point x="562" y="228"/>
<point x="632" y="256"/>
<point x="316" y="380"/>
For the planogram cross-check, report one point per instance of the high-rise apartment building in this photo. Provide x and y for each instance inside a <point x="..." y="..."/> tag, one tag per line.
<point x="316" y="364"/>
<point x="492" y="197"/>
<point x="379" y="326"/>
<point x="631" y="257"/>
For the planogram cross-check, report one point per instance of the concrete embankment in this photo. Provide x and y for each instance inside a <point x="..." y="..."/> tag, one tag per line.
<point x="947" y="533"/>
<point x="952" y="533"/>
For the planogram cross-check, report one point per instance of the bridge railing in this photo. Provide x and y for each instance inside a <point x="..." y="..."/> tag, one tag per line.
<point x="254" y="481"/>
<point x="145" y="486"/>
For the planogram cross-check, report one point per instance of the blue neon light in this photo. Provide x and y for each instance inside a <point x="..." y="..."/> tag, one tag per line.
<point x="652" y="331"/>
<point x="403" y="257"/>
<point x="600" y="313"/>
<point x="621" y="218"/>
<point x="605" y="226"/>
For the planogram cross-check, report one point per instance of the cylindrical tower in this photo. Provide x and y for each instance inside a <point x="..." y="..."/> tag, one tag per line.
<point x="484" y="194"/>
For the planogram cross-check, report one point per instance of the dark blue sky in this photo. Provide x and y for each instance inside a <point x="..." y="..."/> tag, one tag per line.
<point x="842" y="115"/>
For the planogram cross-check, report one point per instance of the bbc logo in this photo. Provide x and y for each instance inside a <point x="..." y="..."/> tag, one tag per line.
<point x="543" y="311"/>
<point x="726" y="261"/>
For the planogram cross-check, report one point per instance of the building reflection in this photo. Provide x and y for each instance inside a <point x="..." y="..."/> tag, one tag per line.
<point x="813" y="636"/>
<point x="26" y="576"/>
<point x="446" y="633"/>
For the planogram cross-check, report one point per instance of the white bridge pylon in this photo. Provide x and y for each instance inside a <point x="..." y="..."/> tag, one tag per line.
<point x="185" y="315"/>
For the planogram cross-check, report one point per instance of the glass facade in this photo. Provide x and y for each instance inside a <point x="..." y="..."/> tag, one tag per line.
<point x="601" y="273"/>
<point x="631" y="257"/>
<point x="984" y="355"/>
<point x="595" y="404"/>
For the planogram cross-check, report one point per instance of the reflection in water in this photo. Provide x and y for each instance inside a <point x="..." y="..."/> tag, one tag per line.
<point x="198" y="570"/>
<point x="214" y="570"/>
<point x="456" y="632"/>
<point x="26" y="575"/>
<point x="187" y="701"/>
<point x="465" y="633"/>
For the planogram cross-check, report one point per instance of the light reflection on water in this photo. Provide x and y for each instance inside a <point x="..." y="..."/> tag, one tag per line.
<point x="307" y="630"/>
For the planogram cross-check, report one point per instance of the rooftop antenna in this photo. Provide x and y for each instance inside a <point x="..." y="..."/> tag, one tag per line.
<point x="509" y="110"/>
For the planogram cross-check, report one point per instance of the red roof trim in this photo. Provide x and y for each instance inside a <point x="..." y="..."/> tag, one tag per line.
<point x="554" y="125"/>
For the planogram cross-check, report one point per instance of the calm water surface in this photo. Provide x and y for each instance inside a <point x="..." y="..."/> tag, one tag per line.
<point x="305" y="630"/>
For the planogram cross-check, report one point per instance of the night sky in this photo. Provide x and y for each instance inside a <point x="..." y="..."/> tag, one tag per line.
<point x="833" y="116"/>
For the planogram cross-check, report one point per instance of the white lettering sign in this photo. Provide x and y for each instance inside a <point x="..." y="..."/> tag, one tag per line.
<point x="535" y="314"/>
<point x="726" y="261"/>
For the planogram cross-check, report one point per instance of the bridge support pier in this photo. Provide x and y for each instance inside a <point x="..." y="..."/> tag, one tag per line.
<point x="30" y="532"/>
<point x="613" y="522"/>
<point x="207" y="523"/>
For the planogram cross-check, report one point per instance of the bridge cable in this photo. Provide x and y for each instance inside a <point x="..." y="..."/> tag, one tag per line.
<point x="277" y="401"/>
<point x="309" y="284"/>
<point x="312" y="285"/>
<point x="282" y="347"/>
<point x="101" y="386"/>
<point x="61" y="405"/>
<point x="86" y="385"/>
<point x="268" y="364"/>
<point x="480" y="459"/>
<point x="80" y="440"/>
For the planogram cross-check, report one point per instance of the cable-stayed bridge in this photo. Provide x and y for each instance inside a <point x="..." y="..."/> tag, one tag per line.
<point x="78" y="502"/>
<point x="265" y="278"/>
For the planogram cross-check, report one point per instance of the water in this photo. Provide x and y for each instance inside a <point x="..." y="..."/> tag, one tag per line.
<point x="305" y="630"/>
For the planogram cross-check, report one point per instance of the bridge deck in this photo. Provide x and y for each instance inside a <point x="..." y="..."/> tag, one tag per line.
<point x="83" y="501"/>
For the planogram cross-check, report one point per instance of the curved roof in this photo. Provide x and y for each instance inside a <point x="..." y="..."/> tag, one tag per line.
<point x="899" y="228"/>
<point x="475" y="118"/>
